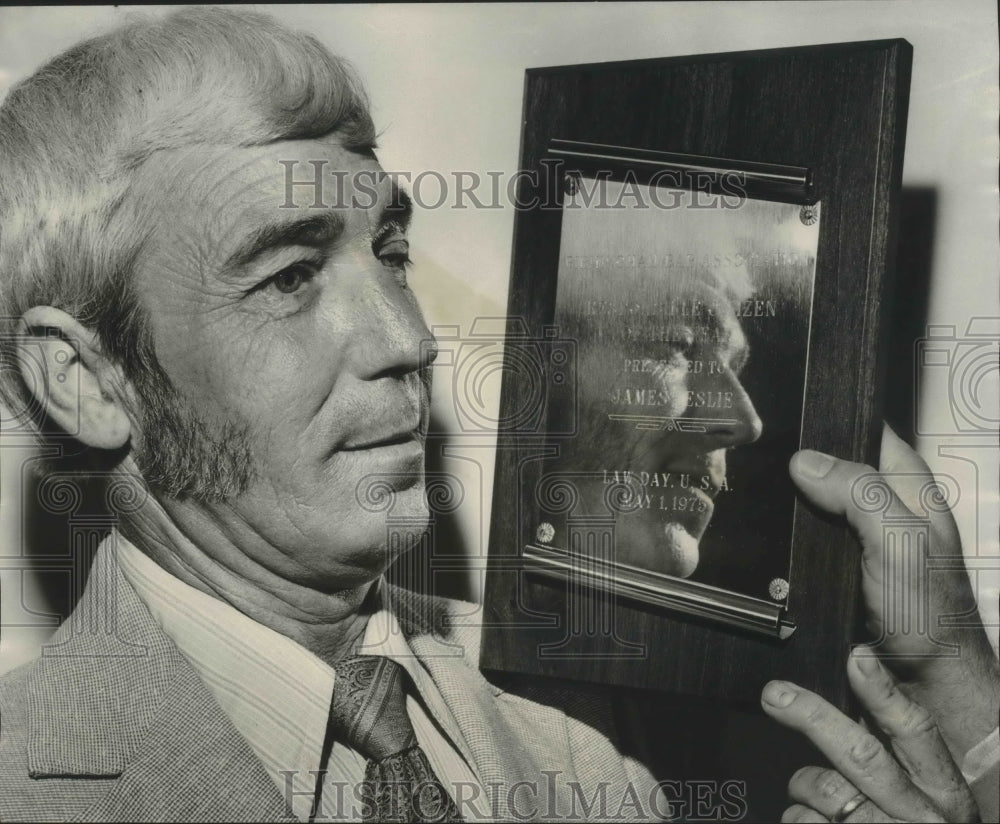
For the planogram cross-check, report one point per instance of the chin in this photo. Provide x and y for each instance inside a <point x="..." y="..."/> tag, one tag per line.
<point x="681" y="551"/>
<point x="396" y="527"/>
<point x="668" y="548"/>
<point x="360" y="559"/>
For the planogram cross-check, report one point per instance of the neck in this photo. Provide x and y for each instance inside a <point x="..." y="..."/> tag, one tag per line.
<point x="189" y="543"/>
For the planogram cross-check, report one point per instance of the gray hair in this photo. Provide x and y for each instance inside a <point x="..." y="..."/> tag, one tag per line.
<point x="73" y="135"/>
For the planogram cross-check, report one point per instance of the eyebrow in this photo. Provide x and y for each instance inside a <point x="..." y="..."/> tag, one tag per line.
<point x="315" y="230"/>
<point x="398" y="210"/>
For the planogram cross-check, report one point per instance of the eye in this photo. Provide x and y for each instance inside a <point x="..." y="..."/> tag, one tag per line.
<point x="395" y="254"/>
<point x="739" y="360"/>
<point x="292" y="278"/>
<point x="682" y="340"/>
<point x="291" y="289"/>
<point x="391" y="247"/>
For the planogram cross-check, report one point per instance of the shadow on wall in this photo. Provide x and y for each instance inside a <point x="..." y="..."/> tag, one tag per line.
<point x="439" y="564"/>
<point x="908" y="319"/>
<point x="65" y="519"/>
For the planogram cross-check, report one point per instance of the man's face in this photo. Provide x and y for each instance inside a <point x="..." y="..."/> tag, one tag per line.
<point x="295" y="328"/>
<point x="663" y="405"/>
<point x="697" y="375"/>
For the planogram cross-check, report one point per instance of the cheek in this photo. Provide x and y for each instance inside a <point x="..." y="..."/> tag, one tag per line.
<point x="672" y="378"/>
<point x="264" y="374"/>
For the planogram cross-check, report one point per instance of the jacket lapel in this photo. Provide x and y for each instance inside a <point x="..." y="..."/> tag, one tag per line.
<point x="112" y="697"/>
<point x="495" y="725"/>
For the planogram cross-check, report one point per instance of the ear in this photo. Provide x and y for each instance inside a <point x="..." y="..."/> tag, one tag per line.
<point x="80" y="390"/>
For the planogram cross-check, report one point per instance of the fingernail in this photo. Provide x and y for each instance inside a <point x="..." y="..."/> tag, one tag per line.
<point x="779" y="694"/>
<point x="867" y="662"/>
<point x="814" y="464"/>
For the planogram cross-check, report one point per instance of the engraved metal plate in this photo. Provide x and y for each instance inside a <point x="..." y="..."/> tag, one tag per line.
<point x="689" y="313"/>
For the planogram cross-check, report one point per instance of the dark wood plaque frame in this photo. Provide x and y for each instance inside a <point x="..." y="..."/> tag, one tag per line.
<point x="838" y="111"/>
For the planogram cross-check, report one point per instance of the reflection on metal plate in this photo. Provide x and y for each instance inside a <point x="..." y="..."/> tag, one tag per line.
<point x="689" y="314"/>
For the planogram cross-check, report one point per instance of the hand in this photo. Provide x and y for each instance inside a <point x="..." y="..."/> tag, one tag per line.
<point x="960" y="685"/>
<point x="917" y="781"/>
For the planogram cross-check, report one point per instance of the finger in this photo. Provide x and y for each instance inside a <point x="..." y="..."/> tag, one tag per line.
<point x="854" y="752"/>
<point x="913" y="482"/>
<point x="800" y="813"/>
<point x="826" y="791"/>
<point x="852" y="490"/>
<point x="869" y="813"/>
<point x="858" y="493"/>
<point x="896" y="456"/>
<point x="912" y="733"/>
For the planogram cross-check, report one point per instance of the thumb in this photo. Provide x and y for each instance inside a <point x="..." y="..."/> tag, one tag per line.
<point x="852" y="490"/>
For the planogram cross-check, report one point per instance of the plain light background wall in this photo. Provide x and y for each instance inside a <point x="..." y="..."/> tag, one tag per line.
<point x="446" y="84"/>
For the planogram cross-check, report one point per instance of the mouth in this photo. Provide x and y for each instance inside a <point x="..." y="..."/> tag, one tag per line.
<point x="706" y="473"/>
<point x="399" y="424"/>
<point x="392" y="461"/>
<point x="365" y="443"/>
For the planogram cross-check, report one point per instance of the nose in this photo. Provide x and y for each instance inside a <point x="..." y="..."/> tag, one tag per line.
<point x="742" y="424"/>
<point x="392" y="338"/>
<point x="720" y="403"/>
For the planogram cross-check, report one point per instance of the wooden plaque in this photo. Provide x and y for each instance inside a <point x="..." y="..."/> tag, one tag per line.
<point x="702" y="255"/>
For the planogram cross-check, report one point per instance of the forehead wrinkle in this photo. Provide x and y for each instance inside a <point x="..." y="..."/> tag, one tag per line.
<point x="314" y="230"/>
<point x="203" y="214"/>
<point x="231" y="207"/>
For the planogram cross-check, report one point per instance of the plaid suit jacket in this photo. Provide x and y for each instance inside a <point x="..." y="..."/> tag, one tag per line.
<point x="112" y="723"/>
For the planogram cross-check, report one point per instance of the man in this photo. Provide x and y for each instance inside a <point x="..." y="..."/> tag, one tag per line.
<point x="240" y="366"/>
<point x="250" y="365"/>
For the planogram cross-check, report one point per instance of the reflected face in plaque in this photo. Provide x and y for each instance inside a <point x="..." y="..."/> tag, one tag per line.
<point x="671" y="411"/>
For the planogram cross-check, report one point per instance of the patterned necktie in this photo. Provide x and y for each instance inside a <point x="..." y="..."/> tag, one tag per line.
<point x="369" y="714"/>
